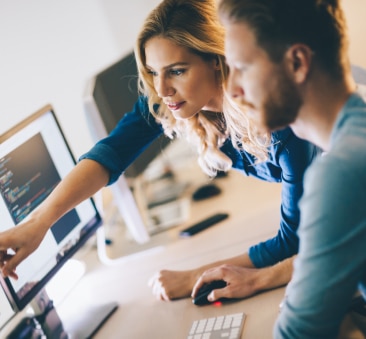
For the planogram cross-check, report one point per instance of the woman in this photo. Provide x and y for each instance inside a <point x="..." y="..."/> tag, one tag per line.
<point x="182" y="73"/>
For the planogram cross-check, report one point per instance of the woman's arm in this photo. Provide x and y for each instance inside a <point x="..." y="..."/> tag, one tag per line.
<point x="293" y="156"/>
<point x="243" y="279"/>
<point x="267" y="264"/>
<point x="132" y="135"/>
<point x="243" y="282"/>
<point x="102" y="165"/>
<point x="81" y="183"/>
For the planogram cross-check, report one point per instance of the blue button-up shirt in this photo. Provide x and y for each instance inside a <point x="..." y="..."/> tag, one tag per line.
<point x="289" y="157"/>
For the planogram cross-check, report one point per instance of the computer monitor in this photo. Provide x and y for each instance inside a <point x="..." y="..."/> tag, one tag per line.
<point x="34" y="158"/>
<point x="109" y="95"/>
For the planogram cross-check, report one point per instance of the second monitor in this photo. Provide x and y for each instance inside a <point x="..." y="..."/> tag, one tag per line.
<point x="110" y="94"/>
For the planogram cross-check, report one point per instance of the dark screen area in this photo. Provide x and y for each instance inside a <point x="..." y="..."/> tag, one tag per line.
<point x="27" y="176"/>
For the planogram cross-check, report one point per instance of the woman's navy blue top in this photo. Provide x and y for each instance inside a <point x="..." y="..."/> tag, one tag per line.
<point x="289" y="157"/>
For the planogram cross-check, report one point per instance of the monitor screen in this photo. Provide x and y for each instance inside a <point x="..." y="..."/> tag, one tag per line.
<point x="34" y="158"/>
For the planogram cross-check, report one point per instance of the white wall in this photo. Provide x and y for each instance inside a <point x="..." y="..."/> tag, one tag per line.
<point x="49" y="49"/>
<point x="356" y="18"/>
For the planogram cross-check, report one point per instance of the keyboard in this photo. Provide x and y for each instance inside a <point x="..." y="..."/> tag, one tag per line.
<point x="228" y="326"/>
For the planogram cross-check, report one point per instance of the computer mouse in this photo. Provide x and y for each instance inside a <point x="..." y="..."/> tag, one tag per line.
<point x="205" y="290"/>
<point x="206" y="191"/>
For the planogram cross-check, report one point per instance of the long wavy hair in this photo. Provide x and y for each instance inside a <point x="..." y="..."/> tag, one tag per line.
<point x="194" y="24"/>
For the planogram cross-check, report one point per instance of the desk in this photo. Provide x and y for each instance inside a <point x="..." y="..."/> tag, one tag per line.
<point x="253" y="217"/>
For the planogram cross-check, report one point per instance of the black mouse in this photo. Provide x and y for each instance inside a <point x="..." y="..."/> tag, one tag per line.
<point x="206" y="191"/>
<point x="205" y="290"/>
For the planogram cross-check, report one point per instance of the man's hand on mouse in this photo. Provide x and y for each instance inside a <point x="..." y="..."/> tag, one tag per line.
<point x="241" y="282"/>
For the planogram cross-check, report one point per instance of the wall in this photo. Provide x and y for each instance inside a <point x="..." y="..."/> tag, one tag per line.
<point x="49" y="49"/>
<point x="355" y="13"/>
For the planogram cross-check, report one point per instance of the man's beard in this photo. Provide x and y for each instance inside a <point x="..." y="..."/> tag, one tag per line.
<point x="282" y="104"/>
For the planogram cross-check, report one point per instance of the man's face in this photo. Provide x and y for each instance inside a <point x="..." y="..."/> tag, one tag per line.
<point x="257" y="82"/>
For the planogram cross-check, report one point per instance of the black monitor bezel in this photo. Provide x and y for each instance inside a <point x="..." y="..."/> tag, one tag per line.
<point x="89" y="229"/>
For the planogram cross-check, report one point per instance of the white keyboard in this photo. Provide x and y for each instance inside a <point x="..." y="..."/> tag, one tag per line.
<point x="228" y="326"/>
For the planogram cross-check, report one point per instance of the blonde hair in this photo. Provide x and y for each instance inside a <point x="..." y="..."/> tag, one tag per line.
<point x="194" y="24"/>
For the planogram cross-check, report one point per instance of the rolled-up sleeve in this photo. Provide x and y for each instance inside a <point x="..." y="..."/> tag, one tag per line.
<point x="293" y="156"/>
<point x="132" y="135"/>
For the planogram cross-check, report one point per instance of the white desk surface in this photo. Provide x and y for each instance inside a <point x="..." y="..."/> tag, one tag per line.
<point x="254" y="216"/>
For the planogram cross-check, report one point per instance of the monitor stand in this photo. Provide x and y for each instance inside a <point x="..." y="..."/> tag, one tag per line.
<point x="84" y="325"/>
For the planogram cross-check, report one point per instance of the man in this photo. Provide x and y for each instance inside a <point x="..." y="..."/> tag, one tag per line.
<point x="288" y="62"/>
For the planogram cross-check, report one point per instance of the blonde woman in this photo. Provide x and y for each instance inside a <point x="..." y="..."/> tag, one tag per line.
<point x="182" y="71"/>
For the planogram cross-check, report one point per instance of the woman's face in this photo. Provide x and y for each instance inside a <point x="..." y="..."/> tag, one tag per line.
<point x="184" y="81"/>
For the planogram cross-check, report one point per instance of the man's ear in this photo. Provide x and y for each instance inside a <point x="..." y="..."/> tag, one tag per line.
<point x="298" y="61"/>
